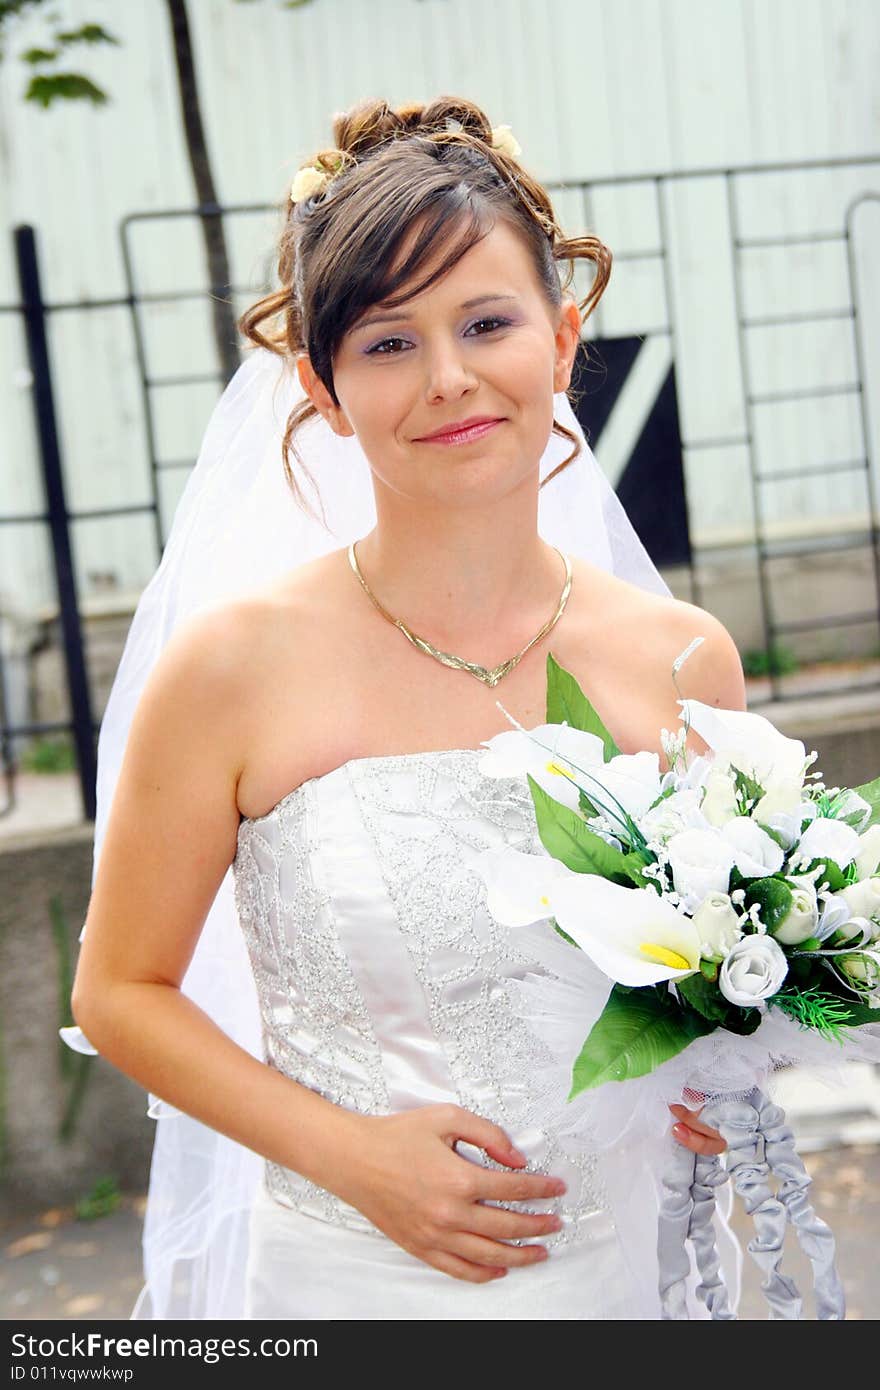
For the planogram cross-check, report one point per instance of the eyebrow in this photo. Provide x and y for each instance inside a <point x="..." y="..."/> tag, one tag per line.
<point x="391" y="317"/>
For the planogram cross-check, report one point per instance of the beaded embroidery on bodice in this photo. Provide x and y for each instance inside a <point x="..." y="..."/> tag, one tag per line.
<point x="379" y="970"/>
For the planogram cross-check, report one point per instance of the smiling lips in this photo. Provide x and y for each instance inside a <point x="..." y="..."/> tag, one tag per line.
<point x="474" y="429"/>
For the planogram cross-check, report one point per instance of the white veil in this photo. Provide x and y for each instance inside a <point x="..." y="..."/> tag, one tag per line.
<point x="238" y="527"/>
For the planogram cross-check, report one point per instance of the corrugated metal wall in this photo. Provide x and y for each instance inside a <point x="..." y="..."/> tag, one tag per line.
<point x="593" y="90"/>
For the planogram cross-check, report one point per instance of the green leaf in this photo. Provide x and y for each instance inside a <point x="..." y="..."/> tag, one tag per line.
<point x="746" y="789"/>
<point x="567" y="838"/>
<point x="585" y="804"/>
<point x="830" y="871"/>
<point x="859" y="1014"/>
<point x="87" y="33"/>
<point x="870" y="792"/>
<point x="636" y="1031"/>
<point x="63" y="86"/>
<point x="635" y="862"/>
<point x="776" y="835"/>
<point x="567" y="703"/>
<point x="34" y="56"/>
<point x="773" y="896"/>
<point x="564" y="934"/>
<point x="704" y="995"/>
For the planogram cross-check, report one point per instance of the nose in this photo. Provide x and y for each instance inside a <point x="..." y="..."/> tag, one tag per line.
<point x="448" y="374"/>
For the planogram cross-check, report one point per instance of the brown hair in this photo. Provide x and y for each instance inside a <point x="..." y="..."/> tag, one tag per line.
<point x="338" y="246"/>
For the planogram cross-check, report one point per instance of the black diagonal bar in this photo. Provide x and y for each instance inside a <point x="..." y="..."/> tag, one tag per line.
<point x="44" y="410"/>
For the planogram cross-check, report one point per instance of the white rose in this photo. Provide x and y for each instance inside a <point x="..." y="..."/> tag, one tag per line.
<point x="719" y="801"/>
<point x="680" y="811"/>
<point x="756" y="854"/>
<point x="868" y="853"/>
<point x="863" y="898"/>
<point x="717" y="924"/>
<point x="701" y="862"/>
<point x="863" y="966"/>
<point x="754" y="970"/>
<point x="801" y="920"/>
<point x="826" y="838"/>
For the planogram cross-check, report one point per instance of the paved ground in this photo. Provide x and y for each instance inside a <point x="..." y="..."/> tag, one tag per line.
<point x="53" y="1266"/>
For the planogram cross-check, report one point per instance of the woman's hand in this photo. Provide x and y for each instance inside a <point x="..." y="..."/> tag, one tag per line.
<point x="694" y="1135"/>
<point x="409" y="1181"/>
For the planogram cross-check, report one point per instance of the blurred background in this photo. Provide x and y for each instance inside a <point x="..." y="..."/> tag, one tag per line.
<point x="728" y="153"/>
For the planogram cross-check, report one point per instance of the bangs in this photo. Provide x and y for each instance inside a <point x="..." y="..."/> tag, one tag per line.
<point x="448" y="230"/>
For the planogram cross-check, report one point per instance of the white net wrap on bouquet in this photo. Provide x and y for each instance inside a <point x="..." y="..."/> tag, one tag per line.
<point x="734" y="1074"/>
<point x="237" y="528"/>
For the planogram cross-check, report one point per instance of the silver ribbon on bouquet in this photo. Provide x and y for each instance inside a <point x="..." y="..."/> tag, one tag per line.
<point x="761" y="1149"/>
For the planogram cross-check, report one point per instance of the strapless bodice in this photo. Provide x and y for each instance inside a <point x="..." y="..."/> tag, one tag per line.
<point x="380" y="972"/>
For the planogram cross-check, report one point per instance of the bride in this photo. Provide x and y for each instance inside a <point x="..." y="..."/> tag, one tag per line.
<point x="339" y="1079"/>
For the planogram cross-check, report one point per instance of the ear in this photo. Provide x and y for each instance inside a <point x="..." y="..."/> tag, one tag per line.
<point x="568" y="335"/>
<point x="320" y="397"/>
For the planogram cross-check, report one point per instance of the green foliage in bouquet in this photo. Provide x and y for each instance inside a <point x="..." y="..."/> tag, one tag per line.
<point x="642" y="1027"/>
<point x="636" y="1031"/>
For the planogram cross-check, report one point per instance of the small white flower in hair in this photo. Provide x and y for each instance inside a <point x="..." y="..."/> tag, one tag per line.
<point x="308" y="181"/>
<point x="504" y="140"/>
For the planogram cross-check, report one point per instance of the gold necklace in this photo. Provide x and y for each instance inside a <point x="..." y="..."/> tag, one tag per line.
<point x="492" y="677"/>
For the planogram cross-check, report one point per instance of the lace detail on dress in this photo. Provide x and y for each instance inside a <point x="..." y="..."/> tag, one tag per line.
<point x="461" y="955"/>
<point x="394" y="837"/>
<point x="316" y="1027"/>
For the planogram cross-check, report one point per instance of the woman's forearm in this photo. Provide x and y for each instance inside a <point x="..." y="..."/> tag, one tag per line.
<point x="165" y="1042"/>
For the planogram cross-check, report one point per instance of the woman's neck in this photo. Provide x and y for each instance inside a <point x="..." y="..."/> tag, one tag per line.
<point x="462" y="580"/>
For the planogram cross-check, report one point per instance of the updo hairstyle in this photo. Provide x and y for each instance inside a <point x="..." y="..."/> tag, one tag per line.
<point x="338" y="246"/>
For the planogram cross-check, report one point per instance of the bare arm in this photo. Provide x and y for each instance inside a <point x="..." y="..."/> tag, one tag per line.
<point x="170" y="839"/>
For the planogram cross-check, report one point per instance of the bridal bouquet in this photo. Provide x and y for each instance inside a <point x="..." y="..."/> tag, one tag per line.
<point x="731" y="902"/>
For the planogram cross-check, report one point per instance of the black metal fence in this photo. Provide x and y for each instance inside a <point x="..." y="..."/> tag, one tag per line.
<point x="664" y="452"/>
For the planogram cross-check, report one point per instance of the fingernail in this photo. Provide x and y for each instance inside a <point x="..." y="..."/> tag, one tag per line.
<point x="560" y="1187"/>
<point x="680" y="1131"/>
<point x="516" y="1153"/>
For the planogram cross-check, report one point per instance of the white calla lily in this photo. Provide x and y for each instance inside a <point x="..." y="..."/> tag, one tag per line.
<point x="633" y="935"/>
<point x="516" y="752"/>
<point x="631" y="779"/>
<point x="518" y="885"/>
<point x="752" y="744"/>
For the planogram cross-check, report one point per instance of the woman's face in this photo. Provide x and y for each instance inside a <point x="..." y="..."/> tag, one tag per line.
<point x="480" y="342"/>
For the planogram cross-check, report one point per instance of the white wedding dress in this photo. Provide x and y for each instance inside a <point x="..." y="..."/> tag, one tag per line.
<point x="381" y="983"/>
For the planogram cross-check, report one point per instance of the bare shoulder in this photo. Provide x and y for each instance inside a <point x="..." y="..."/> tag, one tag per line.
<point x="660" y="628"/>
<point x="634" y="637"/>
<point x="230" y="642"/>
